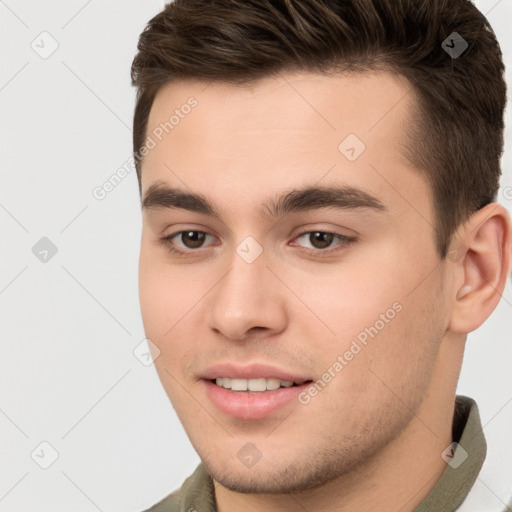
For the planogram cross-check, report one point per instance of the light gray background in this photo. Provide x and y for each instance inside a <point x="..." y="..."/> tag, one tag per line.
<point x="68" y="373"/>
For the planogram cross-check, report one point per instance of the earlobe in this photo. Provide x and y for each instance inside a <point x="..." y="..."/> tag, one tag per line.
<point x="483" y="266"/>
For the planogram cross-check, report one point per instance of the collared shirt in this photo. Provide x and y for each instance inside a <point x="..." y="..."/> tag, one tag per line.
<point x="464" y="461"/>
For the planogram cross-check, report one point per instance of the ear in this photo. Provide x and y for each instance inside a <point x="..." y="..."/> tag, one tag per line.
<point x="481" y="255"/>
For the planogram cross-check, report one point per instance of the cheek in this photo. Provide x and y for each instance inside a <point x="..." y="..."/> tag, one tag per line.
<point x="168" y="296"/>
<point x="376" y="314"/>
<point x="341" y="301"/>
<point x="163" y="291"/>
<point x="152" y="297"/>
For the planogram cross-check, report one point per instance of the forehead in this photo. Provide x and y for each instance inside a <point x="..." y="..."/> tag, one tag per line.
<point x="293" y="128"/>
<point x="348" y="101"/>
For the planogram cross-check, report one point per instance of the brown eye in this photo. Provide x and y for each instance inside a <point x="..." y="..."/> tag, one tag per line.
<point x="323" y="242"/>
<point x="192" y="239"/>
<point x="184" y="242"/>
<point x="320" y="239"/>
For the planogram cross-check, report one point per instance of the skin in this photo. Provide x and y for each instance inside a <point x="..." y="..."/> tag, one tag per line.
<point x="392" y="404"/>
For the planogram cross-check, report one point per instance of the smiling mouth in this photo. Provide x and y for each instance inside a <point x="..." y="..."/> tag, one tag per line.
<point x="256" y="385"/>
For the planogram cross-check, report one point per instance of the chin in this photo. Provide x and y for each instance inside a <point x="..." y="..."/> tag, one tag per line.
<point x="265" y="478"/>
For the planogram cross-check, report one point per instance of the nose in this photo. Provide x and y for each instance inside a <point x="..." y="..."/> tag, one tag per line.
<point x="248" y="298"/>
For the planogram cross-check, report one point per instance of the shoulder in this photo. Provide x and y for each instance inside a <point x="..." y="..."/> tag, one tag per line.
<point x="196" y="493"/>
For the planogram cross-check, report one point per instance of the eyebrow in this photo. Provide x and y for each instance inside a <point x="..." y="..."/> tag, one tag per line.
<point x="161" y="196"/>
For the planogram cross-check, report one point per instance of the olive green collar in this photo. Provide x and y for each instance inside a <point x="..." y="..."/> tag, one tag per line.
<point x="465" y="465"/>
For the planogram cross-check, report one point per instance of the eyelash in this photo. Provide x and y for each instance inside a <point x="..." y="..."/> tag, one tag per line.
<point x="346" y="241"/>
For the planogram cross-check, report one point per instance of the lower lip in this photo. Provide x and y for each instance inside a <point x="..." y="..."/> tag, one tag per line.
<point x="251" y="405"/>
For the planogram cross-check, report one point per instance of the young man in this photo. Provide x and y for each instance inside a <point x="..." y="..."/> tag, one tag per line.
<point x="318" y="182"/>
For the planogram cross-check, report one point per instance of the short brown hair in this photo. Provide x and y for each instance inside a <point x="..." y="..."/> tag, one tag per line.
<point x="456" y="134"/>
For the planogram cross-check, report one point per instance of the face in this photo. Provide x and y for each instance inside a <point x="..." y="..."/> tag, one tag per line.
<point x="306" y="253"/>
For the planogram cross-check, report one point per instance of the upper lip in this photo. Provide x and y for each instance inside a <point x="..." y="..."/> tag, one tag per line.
<point x="251" y="371"/>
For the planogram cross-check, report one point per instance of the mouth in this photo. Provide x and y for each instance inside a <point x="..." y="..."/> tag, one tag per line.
<point x="253" y="399"/>
<point x="258" y="385"/>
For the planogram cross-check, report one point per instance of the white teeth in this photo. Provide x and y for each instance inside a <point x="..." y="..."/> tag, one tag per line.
<point x="239" y="384"/>
<point x="273" y="384"/>
<point x="260" y="384"/>
<point x="257" y="384"/>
